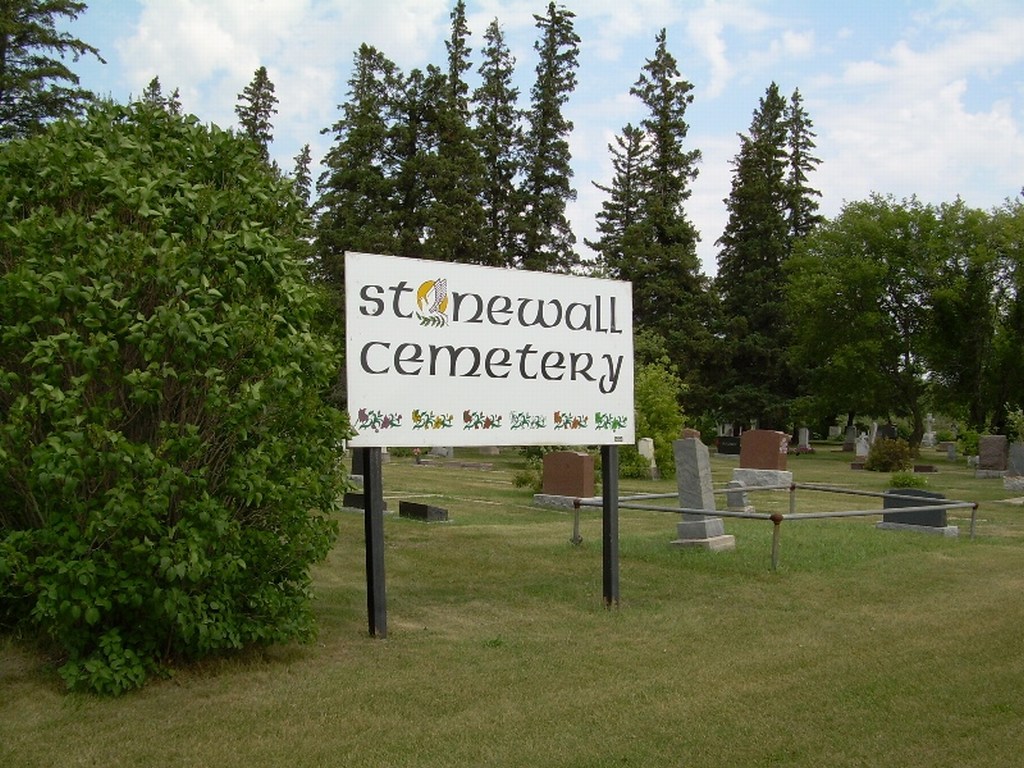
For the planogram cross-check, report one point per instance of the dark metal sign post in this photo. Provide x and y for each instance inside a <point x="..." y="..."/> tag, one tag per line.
<point x="373" y="525"/>
<point x="610" y="527"/>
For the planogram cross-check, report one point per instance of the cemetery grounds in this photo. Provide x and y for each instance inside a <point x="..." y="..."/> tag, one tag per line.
<point x="865" y="648"/>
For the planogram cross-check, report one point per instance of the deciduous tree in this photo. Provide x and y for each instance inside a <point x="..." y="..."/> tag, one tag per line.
<point x="168" y="466"/>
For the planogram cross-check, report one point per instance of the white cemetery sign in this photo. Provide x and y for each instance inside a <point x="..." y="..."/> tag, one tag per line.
<point x="439" y="353"/>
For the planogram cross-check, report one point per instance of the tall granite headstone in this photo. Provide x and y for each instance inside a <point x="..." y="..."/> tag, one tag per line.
<point x="992" y="450"/>
<point x="763" y="459"/>
<point x="693" y="477"/>
<point x="1014" y="478"/>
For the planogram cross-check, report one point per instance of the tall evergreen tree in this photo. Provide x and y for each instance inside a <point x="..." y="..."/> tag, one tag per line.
<point x="456" y="215"/>
<point x="500" y="140"/>
<point x="803" y="199"/>
<point x="549" y="243"/>
<point x="750" y="281"/>
<point x="302" y="175"/>
<point x="622" y="211"/>
<point x="414" y="154"/>
<point x="356" y="187"/>
<point x="256" y="106"/>
<point x="153" y="94"/>
<point x="35" y="83"/>
<point x="646" y="236"/>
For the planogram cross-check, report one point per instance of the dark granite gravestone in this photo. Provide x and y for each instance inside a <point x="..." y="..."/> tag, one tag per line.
<point x="424" y="512"/>
<point x="932" y="518"/>
<point x="728" y="445"/>
<point x="992" y="450"/>
<point x="887" y="432"/>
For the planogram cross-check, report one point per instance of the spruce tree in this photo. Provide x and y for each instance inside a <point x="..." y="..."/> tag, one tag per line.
<point x="622" y="211"/>
<point x="456" y="214"/>
<point x="802" y="205"/>
<point x="153" y="94"/>
<point x="36" y="85"/>
<point x="256" y="106"/>
<point x="646" y="236"/>
<point x="301" y="176"/>
<point x="750" y="281"/>
<point x="549" y="243"/>
<point x="499" y="136"/>
<point x="356" y="187"/>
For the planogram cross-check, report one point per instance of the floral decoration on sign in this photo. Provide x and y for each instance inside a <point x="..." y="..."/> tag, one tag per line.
<point x="377" y="420"/>
<point x="523" y="420"/>
<point x="431" y="420"/>
<point x="479" y="420"/>
<point x="569" y="421"/>
<point x="609" y="421"/>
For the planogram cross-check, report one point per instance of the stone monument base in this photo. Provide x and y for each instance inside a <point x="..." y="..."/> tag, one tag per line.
<point x="939" y="530"/>
<point x="703" y="532"/>
<point x="713" y="544"/>
<point x="989" y="474"/>
<point x="554" y="501"/>
<point x="754" y="478"/>
<point x="1013" y="482"/>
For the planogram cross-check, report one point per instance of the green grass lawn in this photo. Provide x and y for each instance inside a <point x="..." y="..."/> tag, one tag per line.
<point x="865" y="648"/>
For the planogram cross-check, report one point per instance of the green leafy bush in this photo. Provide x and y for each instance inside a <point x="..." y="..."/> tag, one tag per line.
<point x="656" y="393"/>
<point x="1015" y="424"/>
<point x="967" y="442"/>
<point x="167" y="463"/>
<point x="632" y="464"/>
<point x="907" y="480"/>
<point x="889" y="456"/>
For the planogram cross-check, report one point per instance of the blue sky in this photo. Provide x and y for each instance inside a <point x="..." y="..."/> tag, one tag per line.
<point x="906" y="97"/>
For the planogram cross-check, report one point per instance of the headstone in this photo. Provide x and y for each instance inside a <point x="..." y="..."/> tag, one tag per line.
<point x="645" y="447"/>
<point x="736" y="497"/>
<point x="850" y="439"/>
<point x="951" y="451"/>
<point x="490" y="450"/>
<point x="1015" y="459"/>
<point x="863" y="446"/>
<point x="887" y="432"/>
<point x="873" y="434"/>
<point x="424" y="512"/>
<point x="992" y="451"/>
<point x="764" y="449"/>
<point x="356" y="500"/>
<point x="689" y="432"/>
<point x="927" y="521"/>
<point x="693" y="476"/>
<point x="1014" y="478"/>
<point x="569" y="473"/>
<point x="444" y="452"/>
<point x="728" y="445"/>
<point x="928" y="441"/>
<point x="803" y="442"/>
<point x="834" y="431"/>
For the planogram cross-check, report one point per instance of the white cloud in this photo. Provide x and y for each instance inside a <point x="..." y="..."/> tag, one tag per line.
<point x="911" y="122"/>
